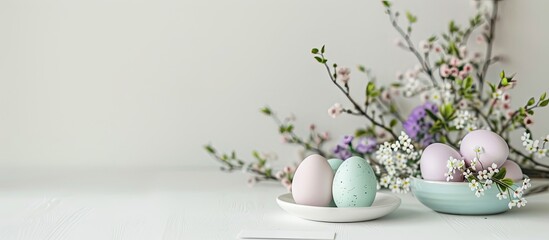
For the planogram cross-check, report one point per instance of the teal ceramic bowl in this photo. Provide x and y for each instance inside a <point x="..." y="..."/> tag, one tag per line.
<point x="457" y="198"/>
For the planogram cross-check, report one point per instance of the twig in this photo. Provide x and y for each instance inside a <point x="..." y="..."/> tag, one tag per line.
<point x="356" y="105"/>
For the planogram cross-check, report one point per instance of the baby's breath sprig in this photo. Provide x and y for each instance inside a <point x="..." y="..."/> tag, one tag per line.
<point x="485" y="178"/>
<point x="400" y="161"/>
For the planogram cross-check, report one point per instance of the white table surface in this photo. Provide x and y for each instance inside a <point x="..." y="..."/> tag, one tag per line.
<point x="204" y="203"/>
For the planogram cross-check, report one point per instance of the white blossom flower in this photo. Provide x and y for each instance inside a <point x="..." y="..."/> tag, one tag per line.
<point x="526" y="183"/>
<point x="521" y="202"/>
<point x="465" y="120"/>
<point x="478" y="149"/>
<point x="512" y="203"/>
<point x="497" y="94"/>
<point x="425" y="46"/>
<point x="542" y="152"/>
<point x="479" y="192"/>
<point x="335" y="110"/>
<point x="517" y="193"/>
<point x="501" y="196"/>
<point x="473" y="185"/>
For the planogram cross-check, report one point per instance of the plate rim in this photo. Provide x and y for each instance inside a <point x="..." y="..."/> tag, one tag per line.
<point x="366" y="213"/>
<point x="397" y="201"/>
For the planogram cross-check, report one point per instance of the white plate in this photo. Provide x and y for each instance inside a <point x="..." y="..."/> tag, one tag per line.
<point x="384" y="204"/>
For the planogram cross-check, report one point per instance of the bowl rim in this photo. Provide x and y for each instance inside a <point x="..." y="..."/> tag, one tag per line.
<point x="452" y="183"/>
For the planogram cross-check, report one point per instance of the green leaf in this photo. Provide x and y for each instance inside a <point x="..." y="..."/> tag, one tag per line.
<point x="492" y="86"/>
<point x="393" y="123"/>
<point x="411" y="18"/>
<point x="282" y="129"/>
<point x="256" y="155"/>
<point x="361" y="68"/>
<point x="544" y="103"/>
<point x="370" y="88"/>
<point x="319" y="59"/>
<point x="209" y="149"/>
<point x="468" y="82"/>
<point x="502" y="74"/>
<point x="266" y="110"/>
<point x="507" y="181"/>
<point x="500" y="174"/>
<point x="387" y="4"/>
<point x="542" y="97"/>
<point x="431" y="114"/>
<point x="314" y="50"/>
<point x="432" y="39"/>
<point x="322" y="49"/>
<point x="290" y="128"/>
<point x="504" y="81"/>
<point x="360" y="132"/>
<point x="531" y="101"/>
<point x="452" y="27"/>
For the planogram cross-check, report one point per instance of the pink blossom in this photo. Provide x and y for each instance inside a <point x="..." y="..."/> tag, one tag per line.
<point x="454" y="71"/>
<point x="252" y="181"/>
<point x="344" y="75"/>
<point x="463" y="74"/>
<point x="444" y="71"/>
<point x="468" y="67"/>
<point x="463" y="104"/>
<point x="386" y="96"/>
<point x="288" y="169"/>
<point x="480" y="39"/>
<point x="399" y="75"/>
<point x="335" y="110"/>
<point x="312" y="127"/>
<point x="506" y="106"/>
<point x="325" y="136"/>
<point x="398" y="42"/>
<point x="506" y="97"/>
<point x="437" y="48"/>
<point x="279" y="175"/>
<point x="454" y="61"/>
<point x="528" y="121"/>
<point x="287" y="184"/>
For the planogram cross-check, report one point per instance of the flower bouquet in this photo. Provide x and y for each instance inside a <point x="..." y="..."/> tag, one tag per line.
<point x="457" y="98"/>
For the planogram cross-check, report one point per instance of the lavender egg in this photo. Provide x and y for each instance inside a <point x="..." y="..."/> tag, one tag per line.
<point x="513" y="170"/>
<point x="434" y="160"/>
<point x="493" y="148"/>
<point x="312" y="183"/>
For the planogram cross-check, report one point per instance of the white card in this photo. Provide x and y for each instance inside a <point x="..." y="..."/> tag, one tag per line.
<point x="284" y="234"/>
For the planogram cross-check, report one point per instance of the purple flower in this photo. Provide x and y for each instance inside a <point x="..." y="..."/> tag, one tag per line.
<point x="339" y="148"/>
<point x="347" y="139"/>
<point x="366" y="145"/>
<point x="418" y="124"/>
<point x="344" y="154"/>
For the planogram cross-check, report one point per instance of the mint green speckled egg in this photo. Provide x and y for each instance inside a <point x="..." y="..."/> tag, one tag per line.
<point x="355" y="184"/>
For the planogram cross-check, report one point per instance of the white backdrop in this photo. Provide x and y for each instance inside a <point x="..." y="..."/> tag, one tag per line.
<point x="142" y="83"/>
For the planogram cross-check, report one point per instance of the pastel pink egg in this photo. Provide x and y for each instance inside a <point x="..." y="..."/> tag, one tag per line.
<point x="494" y="148"/>
<point x="434" y="160"/>
<point x="513" y="170"/>
<point x="312" y="182"/>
